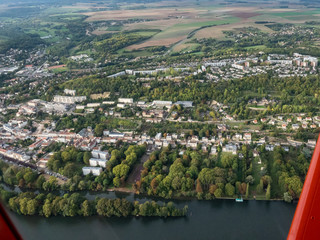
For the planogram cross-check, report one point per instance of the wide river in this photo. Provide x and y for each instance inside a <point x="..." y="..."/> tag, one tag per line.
<point x="217" y="219"/>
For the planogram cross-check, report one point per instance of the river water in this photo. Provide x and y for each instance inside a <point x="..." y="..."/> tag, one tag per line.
<point x="217" y="219"/>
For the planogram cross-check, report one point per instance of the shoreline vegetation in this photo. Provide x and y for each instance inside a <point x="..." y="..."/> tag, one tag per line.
<point x="70" y="205"/>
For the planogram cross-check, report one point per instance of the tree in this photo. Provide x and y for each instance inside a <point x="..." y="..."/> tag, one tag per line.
<point x="199" y="187"/>
<point x="248" y="190"/>
<point x="294" y="186"/>
<point x="23" y="202"/>
<point x="249" y="179"/>
<point x="86" y="157"/>
<point x="287" y="197"/>
<point x="32" y="207"/>
<point x="70" y="170"/>
<point x="218" y="193"/>
<point x="86" y="208"/>
<point x="40" y="181"/>
<point x="66" y="156"/>
<point x="121" y="170"/>
<point x="29" y="177"/>
<point x="229" y="189"/>
<point x="47" y="208"/>
<point x="99" y="129"/>
<point x="116" y="182"/>
<point x="268" y="193"/>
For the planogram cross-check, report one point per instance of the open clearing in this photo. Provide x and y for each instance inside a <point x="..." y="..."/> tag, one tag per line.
<point x="141" y="14"/>
<point x="177" y="24"/>
<point x="217" y="31"/>
<point x="180" y="31"/>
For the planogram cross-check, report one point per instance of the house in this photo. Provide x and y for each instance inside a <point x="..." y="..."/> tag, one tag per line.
<point x="263" y="120"/>
<point x="269" y="148"/>
<point x="285" y="148"/>
<point x="295" y="126"/>
<point x="213" y="150"/>
<point x="247" y="137"/>
<point x="308" y="119"/>
<point x="230" y="148"/>
<point x="272" y="122"/>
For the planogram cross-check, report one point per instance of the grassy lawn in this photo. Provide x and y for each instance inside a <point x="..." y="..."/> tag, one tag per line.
<point x="257" y="47"/>
<point x="60" y="70"/>
<point x="114" y="28"/>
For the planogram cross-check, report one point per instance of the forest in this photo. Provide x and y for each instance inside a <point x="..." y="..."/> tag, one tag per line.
<point x="174" y="173"/>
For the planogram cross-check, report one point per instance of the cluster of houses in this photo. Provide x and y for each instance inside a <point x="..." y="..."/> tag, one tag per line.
<point x="292" y="122"/>
<point x="282" y="65"/>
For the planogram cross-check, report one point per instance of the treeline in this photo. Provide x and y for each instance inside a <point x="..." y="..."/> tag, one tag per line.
<point x="116" y="42"/>
<point x="287" y="172"/>
<point x="70" y="205"/>
<point x="294" y="94"/>
<point x="26" y="178"/>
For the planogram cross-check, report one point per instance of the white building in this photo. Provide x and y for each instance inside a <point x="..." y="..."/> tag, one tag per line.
<point x="93" y="105"/>
<point x="100" y="154"/>
<point x="69" y="99"/>
<point x="96" y="171"/>
<point x="97" y="162"/>
<point x="70" y="92"/>
<point x="126" y="100"/>
<point x="230" y="148"/>
<point x="159" y="103"/>
<point x="185" y="104"/>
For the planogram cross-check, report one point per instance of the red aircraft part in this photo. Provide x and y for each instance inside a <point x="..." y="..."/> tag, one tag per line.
<point x="306" y="220"/>
<point x="7" y="229"/>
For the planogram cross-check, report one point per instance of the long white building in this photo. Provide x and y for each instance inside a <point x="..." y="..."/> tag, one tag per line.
<point x="96" y="171"/>
<point x="69" y="99"/>
<point x="94" y="162"/>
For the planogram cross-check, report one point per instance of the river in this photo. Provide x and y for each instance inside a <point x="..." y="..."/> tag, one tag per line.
<point x="217" y="219"/>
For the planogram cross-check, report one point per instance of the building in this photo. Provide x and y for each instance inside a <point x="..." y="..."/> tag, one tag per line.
<point x="113" y="134"/>
<point x="98" y="162"/>
<point x="93" y="105"/>
<point x="126" y="100"/>
<point x="230" y="148"/>
<point x="100" y="154"/>
<point x="162" y="104"/>
<point x="69" y="99"/>
<point x="185" y="104"/>
<point x="213" y="150"/>
<point x="70" y="92"/>
<point x="96" y="171"/>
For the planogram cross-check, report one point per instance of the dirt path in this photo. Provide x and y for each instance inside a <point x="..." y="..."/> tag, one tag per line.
<point x="135" y="174"/>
